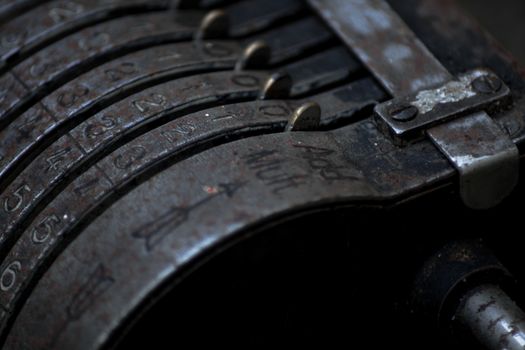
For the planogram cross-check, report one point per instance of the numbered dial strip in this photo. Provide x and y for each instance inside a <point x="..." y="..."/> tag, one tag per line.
<point x="55" y="19"/>
<point x="87" y="142"/>
<point x="233" y="186"/>
<point x="85" y="95"/>
<point x="66" y="59"/>
<point x="69" y="57"/>
<point x="109" y="126"/>
<point x="103" y="183"/>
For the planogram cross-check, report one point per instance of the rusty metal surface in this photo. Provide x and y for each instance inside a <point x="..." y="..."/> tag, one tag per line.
<point x="169" y="143"/>
<point x="362" y="24"/>
<point x="487" y="159"/>
<point x="48" y="69"/>
<point x="262" y="179"/>
<point x="114" y="194"/>
<point x="85" y="95"/>
<point x="56" y="19"/>
<point x="73" y="151"/>
<point x="53" y="66"/>
<point x="452" y="99"/>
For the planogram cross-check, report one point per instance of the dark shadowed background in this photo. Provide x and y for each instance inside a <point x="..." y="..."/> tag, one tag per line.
<point x="505" y="19"/>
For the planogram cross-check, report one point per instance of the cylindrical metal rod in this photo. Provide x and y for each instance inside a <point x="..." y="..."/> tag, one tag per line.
<point x="493" y="318"/>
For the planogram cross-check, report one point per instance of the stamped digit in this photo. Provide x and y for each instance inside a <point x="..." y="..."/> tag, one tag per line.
<point x="216" y="50"/>
<point x="69" y="97"/>
<point x="274" y="111"/>
<point x="67" y="11"/>
<point x="126" y="160"/>
<point x="103" y="125"/>
<point x="44" y="229"/>
<point x="15" y="201"/>
<point x="27" y="125"/>
<point x="245" y="80"/>
<point x="153" y="101"/>
<point x="118" y="73"/>
<point x="8" y="278"/>
<point x="38" y="70"/>
<point x="98" y="40"/>
<point x="56" y="159"/>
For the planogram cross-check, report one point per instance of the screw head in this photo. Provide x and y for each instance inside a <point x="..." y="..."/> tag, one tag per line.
<point x="487" y="84"/>
<point x="404" y="113"/>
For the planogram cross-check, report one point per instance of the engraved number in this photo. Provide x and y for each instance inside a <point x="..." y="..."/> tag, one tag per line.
<point x="123" y="69"/>
<point x="125" y="161"/>
<point x="69" y="97"/>
<point x="98" y="40"/>
<point x="15" y="201"/>
<point x="67" y="11"/>
<point x="8" y="278"/>
<point x="154" y="100"/>
<point x="44" y="229"/>
<point x="104" y="124"/>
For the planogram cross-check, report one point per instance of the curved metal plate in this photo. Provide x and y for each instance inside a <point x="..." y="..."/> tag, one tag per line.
<point x="85" y="95"/>
<point x="106" y="128"/>
<point x="92" y="91"/>
<point x="56" y="19"/>
<point x="235" y="186"/>
<point x="49" y="68"/>
<point x="171" y="142"/>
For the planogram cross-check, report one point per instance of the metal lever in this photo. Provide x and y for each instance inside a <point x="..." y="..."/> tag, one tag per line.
<point x="488" y="167"/>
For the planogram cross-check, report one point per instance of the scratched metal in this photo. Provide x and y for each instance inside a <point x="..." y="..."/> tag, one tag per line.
<point x="105" y="181"/>
<point x="67" y="58"/>
<point x="107" y="83"/>
<point x="112" y="124"/>
<point x="232" y="186"/>
<point x="384" y="43"/>
<point x="81" y="145"/>
<point x="85" y="95"/>
<point x="453" y="99"/>
<point x="387" y="46"/>
<point x="55" y="19"/>
<point x="52" y="67"/>
<point x="10" y="9"/>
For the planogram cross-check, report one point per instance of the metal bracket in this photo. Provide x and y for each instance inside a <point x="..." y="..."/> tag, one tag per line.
<point x="474" y="91"/>
<point x="486" y="158"/>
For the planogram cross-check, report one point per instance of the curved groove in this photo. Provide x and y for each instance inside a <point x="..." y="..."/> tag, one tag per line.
<point x="118" y="193"/>
<point x="16" y="167"/>
<point x="96" y="16"/>
<point x="68" y="74"/>
<point x="182" y="60"/>
<point x="12" y="234"/>
<point x="238" y="122"/>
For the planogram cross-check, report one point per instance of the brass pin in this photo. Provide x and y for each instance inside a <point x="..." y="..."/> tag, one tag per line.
<point x="214" y="25"/>
<point x="254" y="56"/>
<point x="304" y="118"/>
<point x="277" y="86"/>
